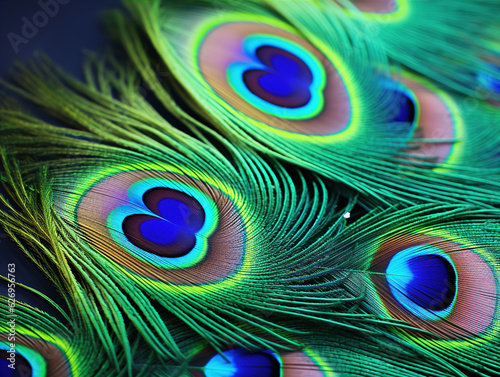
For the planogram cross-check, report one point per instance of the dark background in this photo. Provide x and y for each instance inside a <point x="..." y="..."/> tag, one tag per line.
<point x="71" y="28"/>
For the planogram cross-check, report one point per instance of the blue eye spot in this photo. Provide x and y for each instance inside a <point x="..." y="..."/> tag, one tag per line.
<point x="189" y="218"/>
<point x="433" y="283"/>
<point x="490" y="81"/>
<point x="423" y="280"/>
<point x="171" y="227"/>
<point x="406" y="109"/>
<point x="402" y="105"/>
<point x="23" y="367"/>
<point x="242" y="363"/>
<point x="282" y="78"/>
<point x="283" y="81"/>
<point x="159" y="231"/>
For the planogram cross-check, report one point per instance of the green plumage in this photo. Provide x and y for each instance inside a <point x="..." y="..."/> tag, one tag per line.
<point x="272" y="188"/>
<point x="373" y="152"/>
<point x="335" y="353"/>
<point x="460" y="322"/>
<point x="39" y="345"/>
<point x="439" y="39"/>
<point x="259" y="260"/>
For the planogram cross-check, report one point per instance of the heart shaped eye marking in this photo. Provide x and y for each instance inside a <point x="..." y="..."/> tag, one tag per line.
<point x="285" y="81"/>
<point x="164" y="224"/>
<point x="281" y="78"/>
<point x="172" y="232"/>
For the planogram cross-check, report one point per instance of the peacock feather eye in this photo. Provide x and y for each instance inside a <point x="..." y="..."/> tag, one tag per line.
<point x="327" y="352"/>
<point x="423" y="280"/>
<point x="163" y="225"/>
<point x="173" y="233"/>
<point x="445" y="126"/>
<point x="284" y="79"/>
<point x="274" y="76"/>
<point x="22" y="367"/>
<point x="403" y="106"/>
<point x="238" y="362"/>
<point x="35" y="344"/>
<point x="431" y="280"/>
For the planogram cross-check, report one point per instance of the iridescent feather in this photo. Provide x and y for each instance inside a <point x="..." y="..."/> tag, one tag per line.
<point x="183" y="248"/>
<point x="437" y="269"/>
<point x="149" y="215"/>
<point x="322" y="354"/>
<point x="338" y="117"/>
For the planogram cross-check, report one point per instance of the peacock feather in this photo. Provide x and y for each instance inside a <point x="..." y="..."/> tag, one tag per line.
<point x="446" y="123"/>
<point x="308" y="189"/>
<point x="334" y="353"/>
<point x="341" y="115"/>
<point x="437" y="269"/>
